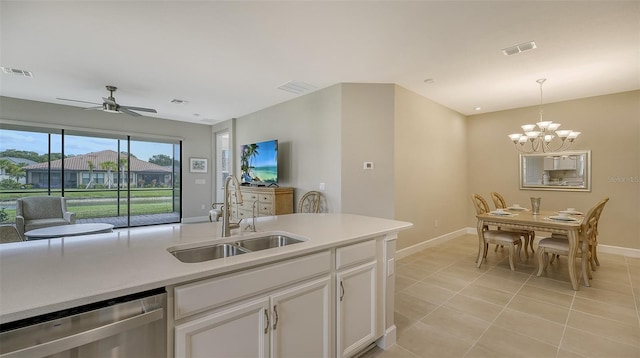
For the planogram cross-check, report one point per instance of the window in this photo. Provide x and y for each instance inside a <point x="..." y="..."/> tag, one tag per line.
<point x="119" y="180"/>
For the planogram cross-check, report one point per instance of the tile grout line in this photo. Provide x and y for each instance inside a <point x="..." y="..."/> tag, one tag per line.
<point x="438" y="306"/>
<point x="566" y="323"/>
<point x="574" y="295"/>
<point x="498" y="315"/>
<point x="633" y="292"/>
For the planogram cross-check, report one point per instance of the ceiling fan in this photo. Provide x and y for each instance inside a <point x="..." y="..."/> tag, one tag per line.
<point x="110" y="105"/>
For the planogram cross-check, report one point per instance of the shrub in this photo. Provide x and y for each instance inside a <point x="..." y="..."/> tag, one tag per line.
<point x="9" y="184"/>
<point x="3" y="215"/>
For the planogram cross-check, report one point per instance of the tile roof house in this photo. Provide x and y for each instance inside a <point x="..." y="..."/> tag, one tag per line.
<point x="99" y="169"/>
<point x="17" y="161"/>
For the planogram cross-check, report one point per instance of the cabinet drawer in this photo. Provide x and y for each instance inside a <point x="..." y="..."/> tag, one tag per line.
<point x="207" y="294"/>
<point x="266" y="209"/>
<point x="266" y="199"/>
<point x="249" y="197"/>
<point x="356" y="253"/>
<point x="244" y="214"/>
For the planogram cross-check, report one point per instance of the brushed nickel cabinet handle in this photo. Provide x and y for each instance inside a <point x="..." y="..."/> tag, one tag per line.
<point x="275" y="322"/>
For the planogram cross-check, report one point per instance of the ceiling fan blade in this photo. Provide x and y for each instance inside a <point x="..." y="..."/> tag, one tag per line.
<point x="107" y="100"/>
<point x="141" y="109"/>
<point x="127" y="111"/>
<point x="75" y="100"/>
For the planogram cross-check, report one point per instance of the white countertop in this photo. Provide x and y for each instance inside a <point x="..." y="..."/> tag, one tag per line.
<point x="43" y="276"/>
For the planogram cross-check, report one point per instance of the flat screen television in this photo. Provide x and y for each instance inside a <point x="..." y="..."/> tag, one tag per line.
<point x="259" y="163"/>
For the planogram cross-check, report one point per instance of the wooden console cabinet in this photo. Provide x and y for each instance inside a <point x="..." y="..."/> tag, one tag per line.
<point x="269" y="201"/>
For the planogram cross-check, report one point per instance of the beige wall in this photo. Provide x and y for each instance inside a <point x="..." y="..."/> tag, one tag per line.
<point x="610" y="127"/>
<point x="418" y="148"/>
<point x="430" y="168"/>
<point x="308" y="131"/>
<point x="367" y="136"/>
<point x="196" y="138"/>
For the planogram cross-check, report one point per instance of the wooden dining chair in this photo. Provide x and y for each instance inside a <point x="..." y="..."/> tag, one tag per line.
<point x="593" y="247"/>
<point x="498" y="200"/>
<point x="527" y="235"/>
<point x="559" y="245"/>
<point x="310" y="202"/>
<point x="499" y="237"/>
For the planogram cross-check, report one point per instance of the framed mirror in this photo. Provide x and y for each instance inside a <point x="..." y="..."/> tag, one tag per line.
<point x="568" y="171"/>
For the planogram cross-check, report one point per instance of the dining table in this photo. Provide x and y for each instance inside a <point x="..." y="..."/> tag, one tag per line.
<point x="542" y="221"/>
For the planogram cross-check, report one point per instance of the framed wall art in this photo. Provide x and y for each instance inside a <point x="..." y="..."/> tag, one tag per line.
<point x="197" y="165"/>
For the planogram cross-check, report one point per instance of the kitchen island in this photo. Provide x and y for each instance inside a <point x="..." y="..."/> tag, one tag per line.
<point x="49" y="275"/>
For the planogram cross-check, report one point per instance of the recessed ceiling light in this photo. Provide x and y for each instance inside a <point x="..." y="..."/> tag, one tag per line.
<point x="477" y="108"/>
<point x="15" y="71"/>
<point x="429" y="80"/>
<point x="525" y="46"/>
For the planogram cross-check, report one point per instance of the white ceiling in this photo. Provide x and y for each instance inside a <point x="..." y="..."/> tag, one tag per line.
<point x="228" y="58"/>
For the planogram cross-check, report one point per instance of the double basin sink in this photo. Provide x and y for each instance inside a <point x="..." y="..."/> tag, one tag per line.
<point x="222" y="250"/>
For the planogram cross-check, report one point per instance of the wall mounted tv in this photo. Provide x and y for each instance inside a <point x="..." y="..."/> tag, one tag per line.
<point x="259" y="163"/>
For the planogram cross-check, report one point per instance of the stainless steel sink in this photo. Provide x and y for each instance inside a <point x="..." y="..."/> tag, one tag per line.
<point x="218" y="251"/>
<point x="267" y="242"/>
<point x="206" y="253"/>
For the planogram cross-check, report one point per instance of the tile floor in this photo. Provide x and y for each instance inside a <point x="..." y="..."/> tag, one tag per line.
<point x="446" y="307"/>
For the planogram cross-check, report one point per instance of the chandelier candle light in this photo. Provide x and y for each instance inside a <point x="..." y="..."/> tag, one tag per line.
<point x="542" y="139"/>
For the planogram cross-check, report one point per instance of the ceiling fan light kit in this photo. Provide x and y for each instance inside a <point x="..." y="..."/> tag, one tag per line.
<point x="109" y="105"/>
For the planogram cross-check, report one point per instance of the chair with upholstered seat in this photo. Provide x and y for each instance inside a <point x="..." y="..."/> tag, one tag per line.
<point x="593" y="252"/>
<point x="499" y="237"/>
<point x="529" y="236"/>
<point x="559" y="245"/>
<point x="9" y="233"/>
<point x="38" y="212"/>
<point x="310" y="202"/>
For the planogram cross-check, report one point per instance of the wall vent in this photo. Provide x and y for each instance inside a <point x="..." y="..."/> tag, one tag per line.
<point x="525" y="46"/>
<point x="15" y="71"/>
<point x="297" y="87"/>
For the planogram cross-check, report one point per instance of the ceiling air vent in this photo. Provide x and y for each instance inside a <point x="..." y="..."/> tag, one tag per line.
<point x="15" y="71"/>
<point x="525" y="46"/>
<point x="297" y="87"/>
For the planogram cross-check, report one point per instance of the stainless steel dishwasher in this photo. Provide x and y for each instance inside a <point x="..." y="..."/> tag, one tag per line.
<point x="129" y="326"/>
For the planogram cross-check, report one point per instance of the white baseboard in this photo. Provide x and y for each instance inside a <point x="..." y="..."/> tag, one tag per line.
<point x="431" y="242"/>
<point x="624" y="251"/>
<point x="609" y="249"/>
<point x="196" y="219"/>
<point x="389" y="339"/>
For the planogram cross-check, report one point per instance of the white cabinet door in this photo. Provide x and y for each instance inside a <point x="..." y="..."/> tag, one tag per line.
<point x="567" y="163"/>
<point x="239" y="331"/>
<point x="356" y="308"/>
<point x="301" y="321"/>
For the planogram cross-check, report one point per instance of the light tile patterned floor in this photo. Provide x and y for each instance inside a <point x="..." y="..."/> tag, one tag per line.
<point x="446" y="307"/>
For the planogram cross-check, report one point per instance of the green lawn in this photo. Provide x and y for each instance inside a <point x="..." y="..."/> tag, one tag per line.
<point x="102" y="203"/>
<point x="91" y="193"/>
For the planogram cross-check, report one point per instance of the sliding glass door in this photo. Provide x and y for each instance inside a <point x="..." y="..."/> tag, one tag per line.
<point x="119" y="180"/>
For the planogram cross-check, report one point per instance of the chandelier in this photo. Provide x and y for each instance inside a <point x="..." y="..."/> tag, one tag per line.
<point x="542" y="139"/>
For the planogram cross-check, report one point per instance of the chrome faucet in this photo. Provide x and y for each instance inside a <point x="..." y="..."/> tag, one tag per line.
<point x="252" y="227"/>
<point x="226" y="212"/>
